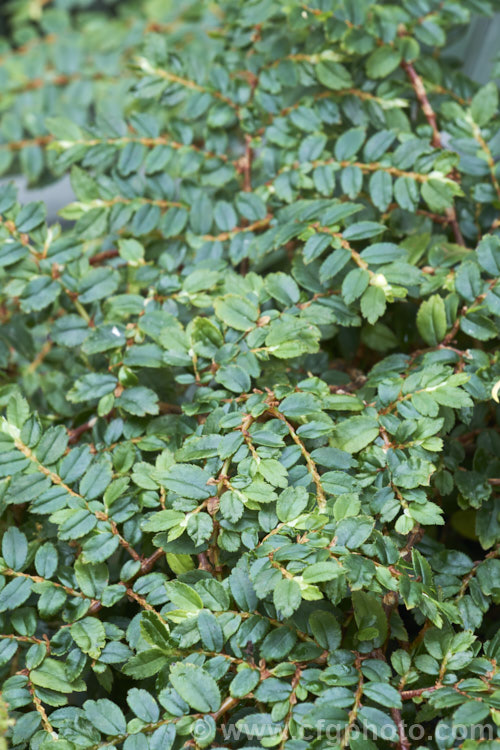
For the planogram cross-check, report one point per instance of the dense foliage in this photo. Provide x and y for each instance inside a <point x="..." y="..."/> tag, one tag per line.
<point x="250" y="441"/>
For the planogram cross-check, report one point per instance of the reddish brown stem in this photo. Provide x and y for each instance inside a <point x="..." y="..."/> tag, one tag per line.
<point x="430" y="116"/>
<point x="149" y="562"/>
<point x="421" y="94"/>
<point x="414" y="538"/>
<point x="100" y="257"/>
<point x="41" y="140"/>
<point x="75" y="433"/>
<point x="204" y="563"/>
<point x="454" y="329"/>
<point x="463" y="312"/>
<point x="147" y="565"/>
<point x="133" y="554"/>
<point x="226" y="705"/>
<point x="407" y="695"/>
<point x="243" y="267"/>
<point x="169" y="408"/>
<point x="404" y="743"/>
<point x="247" y="165"/>
<point x="40" y="357"/>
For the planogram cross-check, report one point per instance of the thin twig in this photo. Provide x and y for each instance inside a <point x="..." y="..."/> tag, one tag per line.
<point x="40" y="357"/>
<point x="404" y="743"/>
<point x="430" y="115"/>
<point x="41" y="710"/>
<point x="421" y="94"/>
<point x="75" y="433"/>
<point x="98" y="258"/>
<point x="320" y="493"/>
<point x="407" y="695"/>
<point x="353" y="713"/>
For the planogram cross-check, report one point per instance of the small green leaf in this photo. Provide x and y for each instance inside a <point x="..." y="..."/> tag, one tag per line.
<point x="379" y="723"/>
<point x="383" y="694"/>
<point x="15" y="593"/>
<point x="355" y="433"/>
<point x="31" y="216"/>
<point x="333" y="75"/>
<point x="234" y="378"/>
<point x="431" y="320"/>
<point x="236" y="312"/>
<point x="373" y="304"/>
<point x="106" y="716"/>
<point x="287" y="596"/>
<point x="196" y="686"/>
<point x="188" y="480"/>
<point x="484" y="103"/>
<point x="471" y="712"/>
<point x="138" y="401"/>
<point x="382" y="62"/>
<point x="244" y="682"/>
<point x="89" y="635"/>
<point x="131" y="251"/>
<point x="326" y="630"/>
<point x="51" y="674"/>
<point x="183" y="596"/>
<point x="143" y="705"/>
<point x="14" y="548"/>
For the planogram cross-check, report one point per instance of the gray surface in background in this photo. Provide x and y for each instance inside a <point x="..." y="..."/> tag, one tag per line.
<point x="478" y="47"/>
<point x="55" y="196"/>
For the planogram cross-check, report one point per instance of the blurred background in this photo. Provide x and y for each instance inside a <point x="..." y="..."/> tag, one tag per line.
<point x="476" y="50"/>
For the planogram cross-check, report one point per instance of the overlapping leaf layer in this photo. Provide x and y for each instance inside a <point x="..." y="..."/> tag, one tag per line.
<point x="249" y="447"/>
